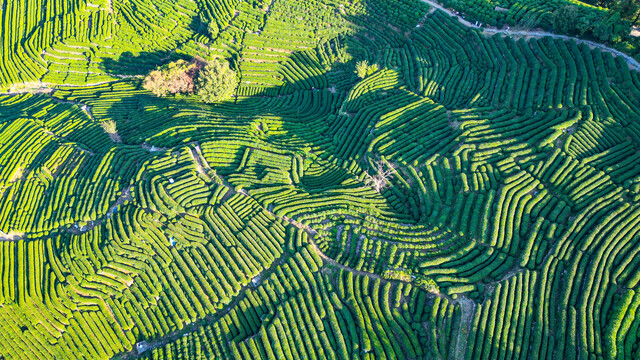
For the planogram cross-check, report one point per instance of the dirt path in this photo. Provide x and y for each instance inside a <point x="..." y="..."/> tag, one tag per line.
<point x="75" y="228"/>
<point x="468" y="308"/>
<point x="196" y="157"/>
<point x="82" y="106"/>
<point x="124" y="196"/>
<point x="209" y="319"/>
<point x="633" y="64"/>
<point x="49" y="88"/>
<point x="153" y="148"/>
<point x="204" y="168"/>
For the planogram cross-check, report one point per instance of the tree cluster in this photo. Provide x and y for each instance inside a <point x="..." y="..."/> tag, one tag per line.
<point x="628" y="9"/>
<point x="212" y="81"/>
<point x="572" y="20"/>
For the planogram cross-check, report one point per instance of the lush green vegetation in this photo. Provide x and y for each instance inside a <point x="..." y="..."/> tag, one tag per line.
<point x="527" y="13"/>
<point x="379" y="181"/>
<point x="216" y="82"/>
<point x="605" y="21"/>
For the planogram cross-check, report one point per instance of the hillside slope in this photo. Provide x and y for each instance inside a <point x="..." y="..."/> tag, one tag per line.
<point x="507" y="228"/>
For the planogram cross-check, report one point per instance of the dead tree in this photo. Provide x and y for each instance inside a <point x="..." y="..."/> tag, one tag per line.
<point x="380" y="179"/>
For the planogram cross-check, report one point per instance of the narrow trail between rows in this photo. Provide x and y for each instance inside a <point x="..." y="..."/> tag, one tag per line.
<point x="196" y="325"/>
<point x="203" y="167"/>
<point x="468" y="308"/>
<point x="635" y="65"/>
<point x="49" y="88"/>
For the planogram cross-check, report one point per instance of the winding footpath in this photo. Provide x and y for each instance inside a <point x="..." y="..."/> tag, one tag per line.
<point x="526" y="33"/>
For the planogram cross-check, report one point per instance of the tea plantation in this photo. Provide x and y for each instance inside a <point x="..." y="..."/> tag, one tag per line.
<point x="470" y="197"/>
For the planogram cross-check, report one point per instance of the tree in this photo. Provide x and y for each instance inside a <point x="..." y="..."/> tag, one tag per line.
<point x="216" y="82"/>
<point x="372" y="68"/>
<point x="612" y="28"/>
<point x="380" y="179"/>
<point x="427" y="283"/>
<point x="109" y="126"/>
<point x="173" y="78"/>
<point x="628" y="9"/>
<point x="565" y="19"/>
<point x="584" y="25"/>
<point x="602" y="26"/>
<point x="363" y="69"/>
<point x="213" y="29"/>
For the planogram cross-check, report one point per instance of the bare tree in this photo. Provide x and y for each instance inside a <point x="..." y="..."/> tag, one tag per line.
<point x="380" y="179"/>
<point x="109" y="126"/>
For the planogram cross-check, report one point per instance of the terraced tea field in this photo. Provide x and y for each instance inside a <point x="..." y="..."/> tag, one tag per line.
<point x="475" y="195"/>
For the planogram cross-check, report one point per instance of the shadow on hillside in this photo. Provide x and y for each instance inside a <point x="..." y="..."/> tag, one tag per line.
<point x="307" y="114"/>
<point x="131" y="64"/>
<point x="307" y="106"/>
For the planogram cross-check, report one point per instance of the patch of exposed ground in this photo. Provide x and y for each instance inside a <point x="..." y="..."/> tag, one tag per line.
<point x="468" y="307"/>
<point x="11" y="236"/>
<point x="79" y="229"/>
<point x="17" y="175"/>
<point x="115" y="138"/>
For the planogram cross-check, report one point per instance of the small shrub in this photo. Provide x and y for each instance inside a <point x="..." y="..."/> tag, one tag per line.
<point x="363" y="69"/>
<point x="213" y="29"/>
<point x="426" y="283"/>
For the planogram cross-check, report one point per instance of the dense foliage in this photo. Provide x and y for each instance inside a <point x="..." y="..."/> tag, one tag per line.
<point x="606" y="21"/>
<point x="212" y="81"/>
<point x="469" y="197"/>
<point x="524" y="13"/>
<point x="177" y="77"/>
<point x="216" y="82"/>
<point x="628" y="9"/>
<point x="570" y="19"/>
